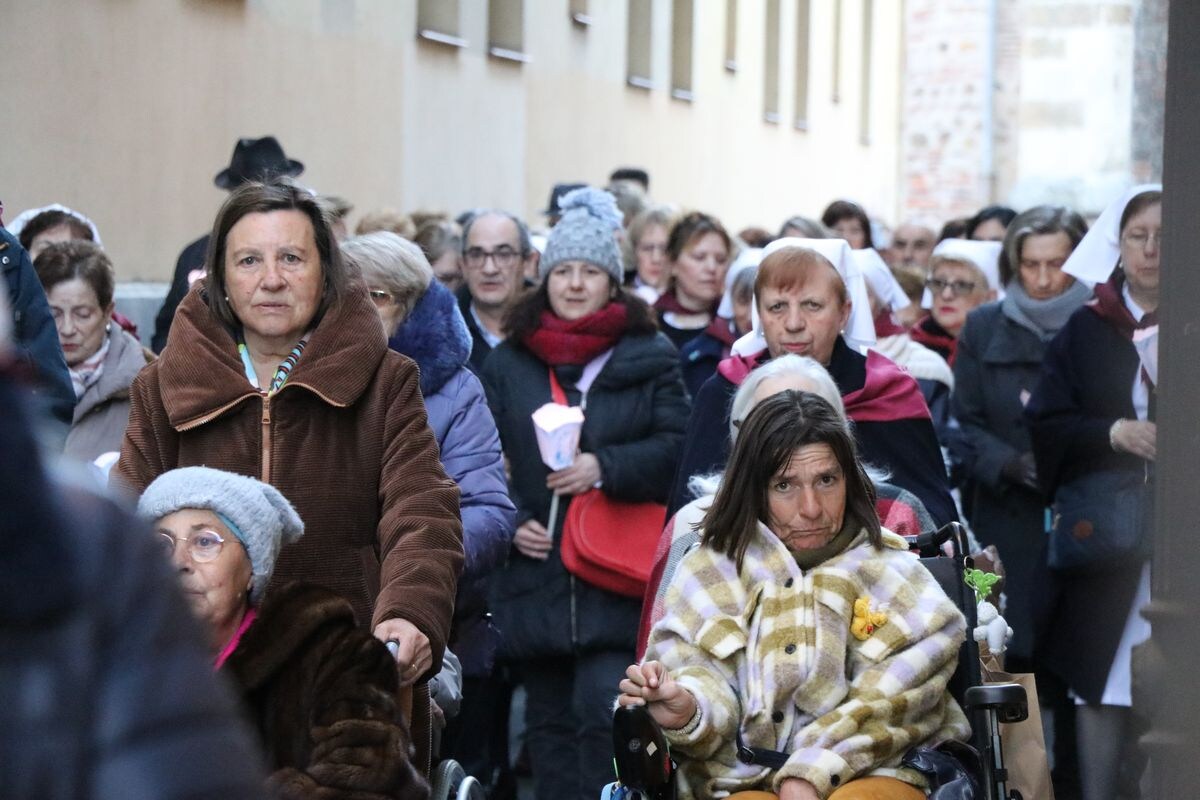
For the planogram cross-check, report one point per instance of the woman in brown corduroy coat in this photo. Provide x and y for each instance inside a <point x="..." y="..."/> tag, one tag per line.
<point x="277" y="367"/>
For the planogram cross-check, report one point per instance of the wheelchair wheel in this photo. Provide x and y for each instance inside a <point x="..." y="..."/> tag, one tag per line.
<point x="451" y="782"/>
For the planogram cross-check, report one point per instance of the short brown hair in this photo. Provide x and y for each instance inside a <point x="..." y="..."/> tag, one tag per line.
<point x="692" y="225"/>
<point x="773" y="431"/>
<point x="261" y="198"/>
<point x="52" y="219"/>
<point x="65" y="261"/>
<point x="839" y="210"/>
<point x="386" y="219"/>
<point x="790" y="267"/>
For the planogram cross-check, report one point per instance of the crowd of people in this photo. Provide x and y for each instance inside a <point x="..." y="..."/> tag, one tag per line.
<point x="334" y="438"/>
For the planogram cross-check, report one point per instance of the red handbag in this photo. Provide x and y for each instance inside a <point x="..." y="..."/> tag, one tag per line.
<point x="609" y="543"/>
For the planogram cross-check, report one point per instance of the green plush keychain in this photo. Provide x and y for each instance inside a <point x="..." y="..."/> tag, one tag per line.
<point x="981" y="582"/>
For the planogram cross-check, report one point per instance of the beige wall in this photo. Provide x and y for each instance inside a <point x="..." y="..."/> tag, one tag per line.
<point x="128" y="109"/>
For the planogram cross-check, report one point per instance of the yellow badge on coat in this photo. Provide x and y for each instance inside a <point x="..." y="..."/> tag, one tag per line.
<point x="865" y="620"/>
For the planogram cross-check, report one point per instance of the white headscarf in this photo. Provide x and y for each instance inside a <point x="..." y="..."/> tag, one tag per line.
<point x="984" y="255"/>
<point x="1094" y="259"/>
<point x="860" y="328"/>
<point x="749" y="258"/>
<point x="879" y="276"/>
<point x="21" y="220"/>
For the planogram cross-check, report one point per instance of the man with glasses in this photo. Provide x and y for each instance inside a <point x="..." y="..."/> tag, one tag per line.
<point x="496" y="250"/>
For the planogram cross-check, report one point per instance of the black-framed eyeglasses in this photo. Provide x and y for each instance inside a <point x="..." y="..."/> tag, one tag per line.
<point x="202" y="546"/>
<point x="958" y="288"/>
<point x="504" y="256"/>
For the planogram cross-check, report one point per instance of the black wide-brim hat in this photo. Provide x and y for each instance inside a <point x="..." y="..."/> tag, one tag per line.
<point x="255" y="160"/>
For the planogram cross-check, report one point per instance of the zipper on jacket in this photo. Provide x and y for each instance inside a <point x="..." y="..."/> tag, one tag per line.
<point x="210" y="416"/>
<point x="266" y="439"/>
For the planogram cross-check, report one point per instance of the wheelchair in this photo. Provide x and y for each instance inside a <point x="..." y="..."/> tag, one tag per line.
<point x="645" y="769"/>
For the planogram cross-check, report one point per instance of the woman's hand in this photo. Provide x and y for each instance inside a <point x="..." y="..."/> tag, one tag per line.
<point x="1136" y="437"/>
<point x="651" y="685"/>
<point x="577" y="478"/>
<point x="414" y="656"/>
<point x="531" y="540"/>
<point x="797" y="789"/>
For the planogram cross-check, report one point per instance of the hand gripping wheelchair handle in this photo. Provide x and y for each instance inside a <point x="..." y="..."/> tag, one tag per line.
<point x="642" y="756"/>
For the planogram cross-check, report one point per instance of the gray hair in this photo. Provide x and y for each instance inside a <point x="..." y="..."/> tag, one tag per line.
<point x="526" y="242"/>
<point x="630" y="197"/>
<point x="799" y="366"/>
<point x="808" y="228"/>
<point x="1035" y="222"/>
<point x="743" y="403"/>
<point x="391" y="261"/>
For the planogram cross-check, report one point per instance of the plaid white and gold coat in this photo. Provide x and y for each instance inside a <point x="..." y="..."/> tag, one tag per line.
<point x="769" y="650"/>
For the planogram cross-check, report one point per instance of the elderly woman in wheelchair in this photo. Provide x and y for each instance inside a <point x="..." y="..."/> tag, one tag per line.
<point x="803" y="650"/>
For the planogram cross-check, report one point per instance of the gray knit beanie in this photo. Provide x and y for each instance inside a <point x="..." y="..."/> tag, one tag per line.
<point x="585" y="233"/>
<point x="257" y="513"/>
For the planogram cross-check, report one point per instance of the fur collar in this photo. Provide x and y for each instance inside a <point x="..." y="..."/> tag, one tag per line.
<point x="436" y="336"/>
<point x="286" y="627"/>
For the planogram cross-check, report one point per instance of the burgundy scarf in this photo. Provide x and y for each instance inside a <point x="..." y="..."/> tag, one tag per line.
<point x="1109" y="305"/>
<point x="886" y="325"/>
<point x="935" y="337"/>
<point x="667" y="301"/>
<point x="721" y="329"/>
<point x="558" y="342"/>
<point x="888" y="393"/>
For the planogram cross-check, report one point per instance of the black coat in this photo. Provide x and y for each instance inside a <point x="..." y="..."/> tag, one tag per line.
<point x="106" y="683"/>
<point x="192" y="258"/>
<point x="998" y="363"/>
<point x="635" y="418"/>
<point x="908" y="448"/>
<point x="323" y="694"/>
<point x="1085" y="386"/>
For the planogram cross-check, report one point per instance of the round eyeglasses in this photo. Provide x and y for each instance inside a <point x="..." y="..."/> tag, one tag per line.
<point x="202" y="547"/>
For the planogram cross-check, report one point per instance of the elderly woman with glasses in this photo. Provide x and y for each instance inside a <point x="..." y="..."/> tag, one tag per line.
<point x="321" y="691"/>
<point x="1092" y="427"/>
<point x="963" y="275"/>
<point x="799" y="627"/>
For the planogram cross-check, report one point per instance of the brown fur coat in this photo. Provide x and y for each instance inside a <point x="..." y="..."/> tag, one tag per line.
<point x="322" y="693"/>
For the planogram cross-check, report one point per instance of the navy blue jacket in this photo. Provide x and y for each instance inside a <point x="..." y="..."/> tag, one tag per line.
<point x="34" y="331"/>
<point x="907" y="448"/>
<point x="435" y="336"/>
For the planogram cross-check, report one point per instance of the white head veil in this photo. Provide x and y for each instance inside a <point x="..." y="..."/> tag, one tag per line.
<point x="1094" y="259"/>
<point x="860" y="328"/>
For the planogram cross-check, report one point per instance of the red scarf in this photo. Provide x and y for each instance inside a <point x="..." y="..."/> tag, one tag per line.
<point x="558" y="342"/>
<point x="667" y="301"/>
<point x="886" y="325"/>
<point x="1109" y="305"/>
<point x="935" y="337"/>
